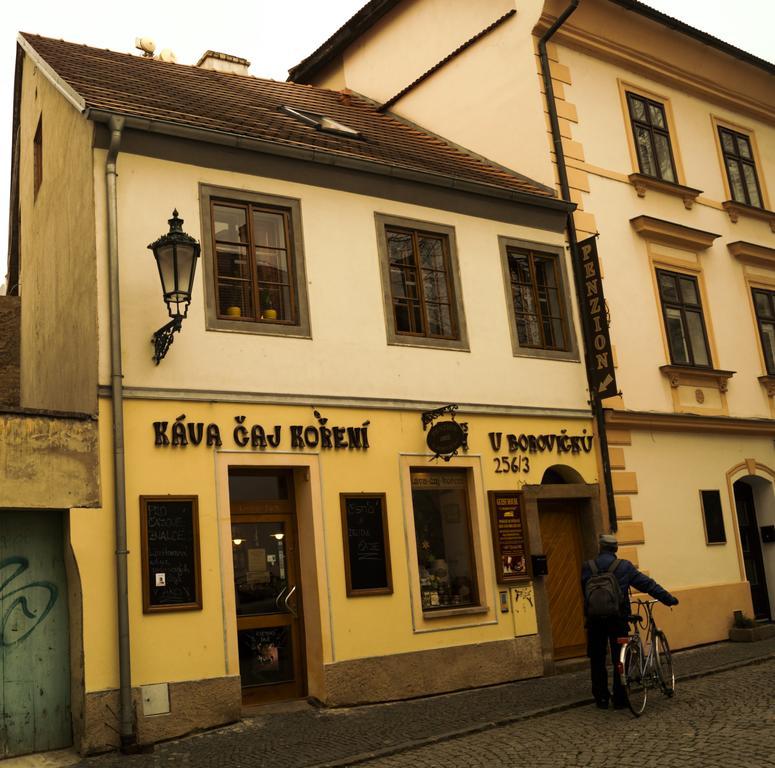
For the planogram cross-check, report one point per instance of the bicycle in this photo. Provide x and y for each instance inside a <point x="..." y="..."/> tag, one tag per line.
<point x="645" y="662"/>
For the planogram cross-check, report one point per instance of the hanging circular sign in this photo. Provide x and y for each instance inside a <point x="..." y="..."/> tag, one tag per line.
<point x="445" y="438"/>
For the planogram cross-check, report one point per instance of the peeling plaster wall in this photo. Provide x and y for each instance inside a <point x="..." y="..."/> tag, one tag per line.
<point x="48" y="462"/>
<point x="9" y="350"/>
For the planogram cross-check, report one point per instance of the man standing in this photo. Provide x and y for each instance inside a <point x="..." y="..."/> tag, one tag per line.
<point x="605" y="621"/>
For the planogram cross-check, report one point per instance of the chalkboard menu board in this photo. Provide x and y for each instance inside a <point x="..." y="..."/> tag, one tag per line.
<point x="170" y="550"/>
<point x="509" y="536"/>
<point x="366" y="546"/>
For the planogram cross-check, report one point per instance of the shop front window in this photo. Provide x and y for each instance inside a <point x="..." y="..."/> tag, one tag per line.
<point x="442" y="525"/>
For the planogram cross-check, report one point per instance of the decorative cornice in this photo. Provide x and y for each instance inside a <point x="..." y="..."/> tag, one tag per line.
<point x="680" y="375"/>
<point x="335" y="401"/>
<point x="768" y="382"/>
<point x="642" y="183"/>
<point x="687" y="422"/>
<point x="736" y="210"/>
<point x="752" y="253"/>
<point x="660" y="70"/>
<point x="670" y="233"/>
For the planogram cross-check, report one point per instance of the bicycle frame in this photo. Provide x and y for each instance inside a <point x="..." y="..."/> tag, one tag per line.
<point x="641" y="662"/>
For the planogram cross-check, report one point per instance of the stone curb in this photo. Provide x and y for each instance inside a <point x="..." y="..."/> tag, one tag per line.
<point x="408" y="746"/>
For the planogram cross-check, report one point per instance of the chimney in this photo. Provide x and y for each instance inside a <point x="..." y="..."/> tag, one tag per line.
<point x="223" y="62"/>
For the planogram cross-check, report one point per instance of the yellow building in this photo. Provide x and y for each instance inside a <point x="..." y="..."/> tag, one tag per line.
<point x="664" y="137"/>
<point x="345" y="477"/>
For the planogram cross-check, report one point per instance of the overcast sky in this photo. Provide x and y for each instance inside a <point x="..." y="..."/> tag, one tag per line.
<point x="272" y="35"/>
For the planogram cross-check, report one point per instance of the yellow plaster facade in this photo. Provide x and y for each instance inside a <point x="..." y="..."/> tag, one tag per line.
<point x="688" y="227"/>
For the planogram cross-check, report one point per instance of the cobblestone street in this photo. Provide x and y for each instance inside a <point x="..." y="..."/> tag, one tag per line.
<point x="725" y="719"/>
<point x="722" y="715"/>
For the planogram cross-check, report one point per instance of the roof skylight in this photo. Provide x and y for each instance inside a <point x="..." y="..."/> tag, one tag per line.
<point x="322" y="123"/>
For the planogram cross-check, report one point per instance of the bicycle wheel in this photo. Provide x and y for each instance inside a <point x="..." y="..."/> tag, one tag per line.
<point x="664" y="664"/>
<point x="633" y="676"/>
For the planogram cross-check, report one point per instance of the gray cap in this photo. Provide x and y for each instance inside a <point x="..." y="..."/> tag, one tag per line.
<point x="608" y="541"/>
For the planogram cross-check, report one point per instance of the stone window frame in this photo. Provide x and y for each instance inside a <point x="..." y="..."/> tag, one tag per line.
<point x="446" y="619"/>
<point x="673" y="187"/>
<point x="558" y="252"/>
<point x="299" y="329"/>
<point x="394" y="337"/>
<point x="683" y="307"/>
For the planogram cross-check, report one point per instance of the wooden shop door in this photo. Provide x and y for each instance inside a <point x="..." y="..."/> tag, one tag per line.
<point x="270" y="631"/>
<point x="561" y="536"/>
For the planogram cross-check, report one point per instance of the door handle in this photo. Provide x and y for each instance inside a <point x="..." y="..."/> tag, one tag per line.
<point x="279" y="595"/>
<point x="287" y="606"/>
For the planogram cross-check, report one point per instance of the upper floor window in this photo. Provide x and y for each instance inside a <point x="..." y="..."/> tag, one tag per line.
<point x="652" y="137"/>
<point x="539" y="311"/>
<point x="764" y="303"/>
<point x="537" y="299"/>
<point x="684" y="322"/>
<point x="741" y="167"/>
<point x="254" y="265"/>
<point x="419" y="270"/>
<point x="37" y="146"/>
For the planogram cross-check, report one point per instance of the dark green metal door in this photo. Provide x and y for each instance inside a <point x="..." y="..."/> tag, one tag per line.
<point x="34" y="637"/>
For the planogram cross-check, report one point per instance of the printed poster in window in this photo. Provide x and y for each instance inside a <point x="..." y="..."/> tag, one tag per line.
<point x="509" y="536"/>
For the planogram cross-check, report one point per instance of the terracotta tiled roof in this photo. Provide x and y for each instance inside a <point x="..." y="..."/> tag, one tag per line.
<point x="250" y="107"/>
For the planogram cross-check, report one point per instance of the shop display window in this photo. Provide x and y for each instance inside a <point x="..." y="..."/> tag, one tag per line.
<point x="442" y="525"/>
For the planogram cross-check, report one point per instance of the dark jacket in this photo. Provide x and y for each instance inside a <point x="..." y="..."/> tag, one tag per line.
<point x="627" y="575"/>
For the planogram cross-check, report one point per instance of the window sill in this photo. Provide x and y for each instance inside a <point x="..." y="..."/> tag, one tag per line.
<point x="736" y="210"/>
<point x="768" y="382"/>
<point x="425" y="342"/>
<point x="471" y="610"/>
<point x="258" y="328"/>
<point x="643" y="183"/>
<point x="685" y="375"/>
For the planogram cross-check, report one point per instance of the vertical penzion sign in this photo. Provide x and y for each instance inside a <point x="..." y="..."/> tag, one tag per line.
<point x="598" y="342"/>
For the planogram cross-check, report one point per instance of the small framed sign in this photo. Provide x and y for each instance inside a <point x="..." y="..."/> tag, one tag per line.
<point x="366" y="544"/>
<point x="170" y="553"/>
<point x="512" y="561"/>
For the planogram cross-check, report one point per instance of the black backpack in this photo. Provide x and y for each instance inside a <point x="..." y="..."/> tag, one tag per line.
<point x="602" y="593"/>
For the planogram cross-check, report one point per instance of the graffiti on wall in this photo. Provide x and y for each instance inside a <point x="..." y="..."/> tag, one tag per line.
<point x="22" y="608"/>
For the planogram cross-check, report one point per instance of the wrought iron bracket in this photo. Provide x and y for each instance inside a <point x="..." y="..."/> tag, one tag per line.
<point x="428" y="417"/>
<point x="163" y="338"/>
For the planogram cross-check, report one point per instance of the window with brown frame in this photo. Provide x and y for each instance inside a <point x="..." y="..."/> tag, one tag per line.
<point x="537" y="296"/>
<point x="254" y="274"/>
<point x="421" y="284"/>
<point x="442" y="523"/>
<point x="687" y="337"/>
<point x="37" y="146"/>
<point x="418" y="261"/>
<point x="741" y="167"/>
<point x="253" y="262"/>
<point x="764" y="304"/>
<point x="652" y="137"/>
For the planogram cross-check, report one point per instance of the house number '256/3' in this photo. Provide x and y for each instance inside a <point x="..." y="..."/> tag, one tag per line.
<point x="514" y="464"/>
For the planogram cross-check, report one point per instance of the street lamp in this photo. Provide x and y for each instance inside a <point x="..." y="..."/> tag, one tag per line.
<point x="176" y="254"/>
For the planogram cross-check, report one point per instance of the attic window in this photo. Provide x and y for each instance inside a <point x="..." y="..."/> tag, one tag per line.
<point x="321" y="122"/>
<point x="37" y="144"/>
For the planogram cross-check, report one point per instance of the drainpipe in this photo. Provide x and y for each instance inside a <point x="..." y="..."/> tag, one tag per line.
<point x="594" y="401"/>
<point x="127" y="723"/>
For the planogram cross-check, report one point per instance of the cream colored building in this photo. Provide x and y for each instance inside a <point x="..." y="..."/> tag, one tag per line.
<point x="288" y="530"/>
<point x="668" y="138"/>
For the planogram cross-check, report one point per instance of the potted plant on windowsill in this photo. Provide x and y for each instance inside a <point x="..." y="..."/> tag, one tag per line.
<point x="268" y="312"/>
<point x="747" y="630"/>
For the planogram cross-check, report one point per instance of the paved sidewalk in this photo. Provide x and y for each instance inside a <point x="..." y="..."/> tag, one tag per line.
<point x="303" y="736"/>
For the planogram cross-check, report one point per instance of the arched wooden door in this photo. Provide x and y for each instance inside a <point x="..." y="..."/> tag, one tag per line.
<point x="560" y="523"/>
